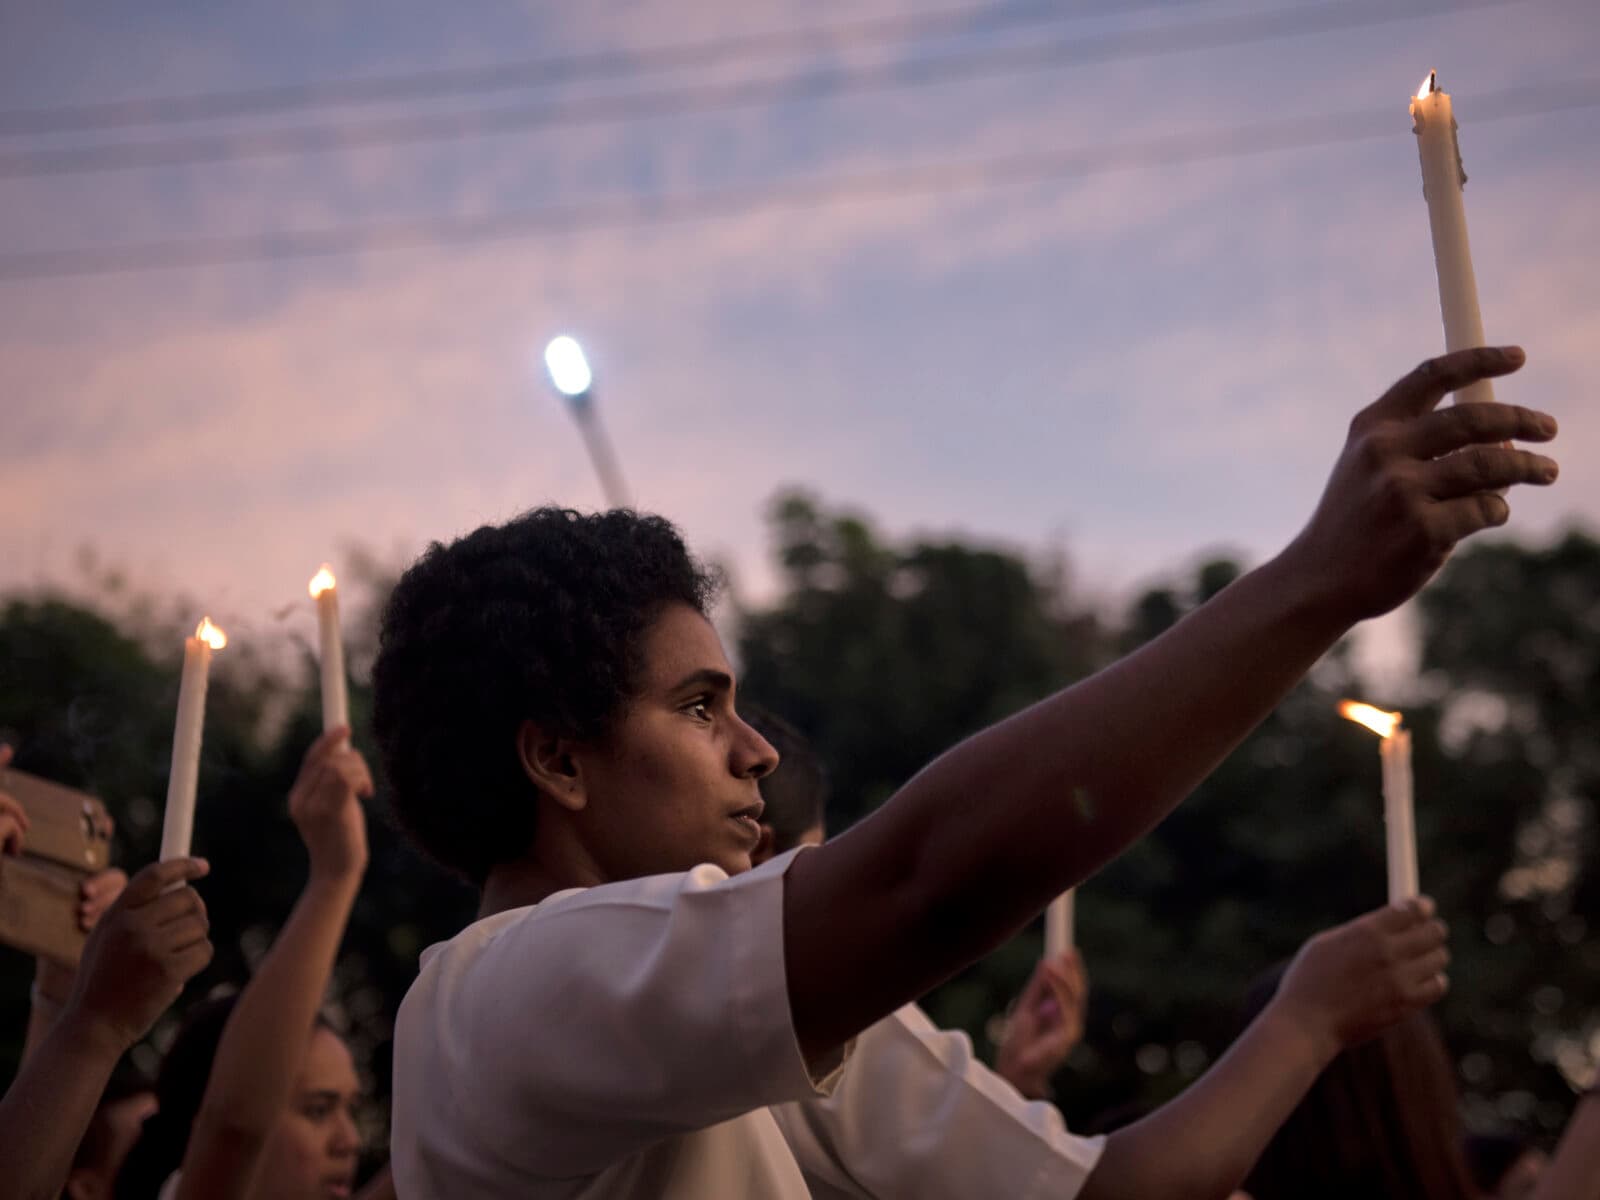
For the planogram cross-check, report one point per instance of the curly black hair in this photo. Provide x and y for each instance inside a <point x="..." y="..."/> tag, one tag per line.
<point x="541" y="619"/>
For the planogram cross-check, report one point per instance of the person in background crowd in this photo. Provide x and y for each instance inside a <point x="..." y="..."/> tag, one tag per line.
<point x="149" y="943"/>
<point x="258" y="1093"/>
<point x="128" y="1098"/>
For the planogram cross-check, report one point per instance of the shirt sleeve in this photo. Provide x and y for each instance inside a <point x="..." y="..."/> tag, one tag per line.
<point x="605" y="1020"/>
<point x="916" y="1114"/>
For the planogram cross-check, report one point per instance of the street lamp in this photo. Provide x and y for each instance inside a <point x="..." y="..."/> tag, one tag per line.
<point x="570" y="375"/>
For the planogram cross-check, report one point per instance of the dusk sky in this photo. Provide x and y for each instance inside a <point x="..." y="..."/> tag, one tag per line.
<point x="1106" y="280"/>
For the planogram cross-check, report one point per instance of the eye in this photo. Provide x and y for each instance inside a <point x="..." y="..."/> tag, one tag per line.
<point x="700" y="709"/>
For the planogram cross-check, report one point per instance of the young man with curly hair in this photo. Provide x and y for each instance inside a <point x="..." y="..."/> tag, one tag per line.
<point x="557" y="719"/>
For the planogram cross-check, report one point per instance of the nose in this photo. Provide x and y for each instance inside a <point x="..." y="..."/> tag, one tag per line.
<point x="345" y="1139"/>
<point x="754" y="756"/>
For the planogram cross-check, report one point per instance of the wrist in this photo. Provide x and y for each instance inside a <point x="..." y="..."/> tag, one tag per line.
<point x="52" y="982"/>
<point x="1313" y="1036"/>
<point x="1313" y="596"/>
<point x="95" y="1033"/>
<point x="335" y="883"/>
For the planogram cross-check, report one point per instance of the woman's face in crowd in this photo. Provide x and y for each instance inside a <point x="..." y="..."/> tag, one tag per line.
<point x="312" y="1153"/>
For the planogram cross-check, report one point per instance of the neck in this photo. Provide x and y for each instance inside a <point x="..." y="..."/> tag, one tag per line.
<point x="553" y="864"/>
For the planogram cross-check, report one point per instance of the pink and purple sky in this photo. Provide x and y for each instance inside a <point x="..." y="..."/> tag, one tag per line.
<point x="1131" y="365"/>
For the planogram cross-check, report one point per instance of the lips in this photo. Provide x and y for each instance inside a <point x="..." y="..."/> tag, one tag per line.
<point x="749" y="820"/>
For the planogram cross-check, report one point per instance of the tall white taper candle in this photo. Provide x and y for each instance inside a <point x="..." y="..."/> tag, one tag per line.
<point x="335" y="699"/>
<point x="1059" y="918"/>
<point x="1434" y="122"/>
<point x="177" y="825"/>
<point x="1398" y="815"/>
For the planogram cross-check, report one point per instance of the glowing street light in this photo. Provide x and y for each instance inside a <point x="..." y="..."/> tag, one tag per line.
<point x="570" y="375"/>
<point x="569" y="369"/>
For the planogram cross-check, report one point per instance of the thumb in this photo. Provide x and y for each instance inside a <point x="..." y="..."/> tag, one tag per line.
<point x="158" y="876"/>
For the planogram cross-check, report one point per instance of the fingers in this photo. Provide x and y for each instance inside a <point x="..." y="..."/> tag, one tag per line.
<point x="1431" y="381"/>
<point x="174" y="906"/>
<point x="328" y="744"/>
<point x="1451" y="521"/>
<point x="149" y="883"/>
<point x="1439" y="433"/>
<point x="1421" y="939"/>
<point x="14" y="824"/>
<point x="340" y="769"/>
<point x="1397" y="918"/>
<point x="96" y="894"/>
<point x="352" y="769"/>
<point x="189" y="962"/>
<point x="1485" y="469"/>
<point x="1036" y="989"/>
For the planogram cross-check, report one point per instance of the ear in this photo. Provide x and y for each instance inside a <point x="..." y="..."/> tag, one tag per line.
<point x="550" y="764"/>
<point x="765" y="846"/>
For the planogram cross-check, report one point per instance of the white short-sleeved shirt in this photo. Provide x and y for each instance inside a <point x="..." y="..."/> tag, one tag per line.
<point x="623" y="1040"/>
<point x="916" y="1114"/>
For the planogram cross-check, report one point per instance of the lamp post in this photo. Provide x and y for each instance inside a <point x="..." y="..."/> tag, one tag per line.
<point x="571" y="377"/>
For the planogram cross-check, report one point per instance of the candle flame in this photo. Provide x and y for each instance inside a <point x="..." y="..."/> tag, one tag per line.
<point x="210" y="634"/>
<point x="322" y="581"/>
<point x="1429" y="85"/>
<point x="1381" y="723"/>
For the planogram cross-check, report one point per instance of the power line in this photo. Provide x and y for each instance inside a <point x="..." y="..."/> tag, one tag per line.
<point x="1262" y="137"/>
<point x="444" y="82"/>
<point x="1197" y="35"/>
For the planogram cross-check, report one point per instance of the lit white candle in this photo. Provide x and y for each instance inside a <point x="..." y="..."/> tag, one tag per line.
<point x="177" y="827"/>
<point x="1399" y="821"/>
<point x="1059" y="919"/>
<point x="1434" y="122"/>
<point x="335" y="701"/>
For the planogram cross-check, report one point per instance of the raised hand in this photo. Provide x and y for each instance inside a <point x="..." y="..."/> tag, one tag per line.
<point x="325" y="805"/>
<point x="1045" y="1025"/>
<point x="13" y="820"/>
<point x="97" y="894"/>
<point x="149" y="943"/>
<point x="1351" y="982"/>
<point x="1414" y="480"/>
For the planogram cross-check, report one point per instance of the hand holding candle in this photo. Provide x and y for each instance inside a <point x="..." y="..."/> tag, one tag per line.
<point x="1443" y="177"/>
<point x="335" y="701"/>
<point x="177" y="827"/>
<point x="1398" y="816"/>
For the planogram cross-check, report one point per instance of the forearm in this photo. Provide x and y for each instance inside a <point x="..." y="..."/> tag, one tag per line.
<point x="1573" y="1172"/>
<point x="1201" y="1145"/>
<point x="978" y="843"/>
<point x="256" y="1061"/>
<point x="52" y="984"/>
<point x="48" y="1107"/>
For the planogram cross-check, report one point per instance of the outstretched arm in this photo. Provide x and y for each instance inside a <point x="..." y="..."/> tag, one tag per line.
<point x="261" y="1047"/>
<point x="134" y="965"/>
<point x="1346" y="986"/>
<point x="977" y="843"/>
